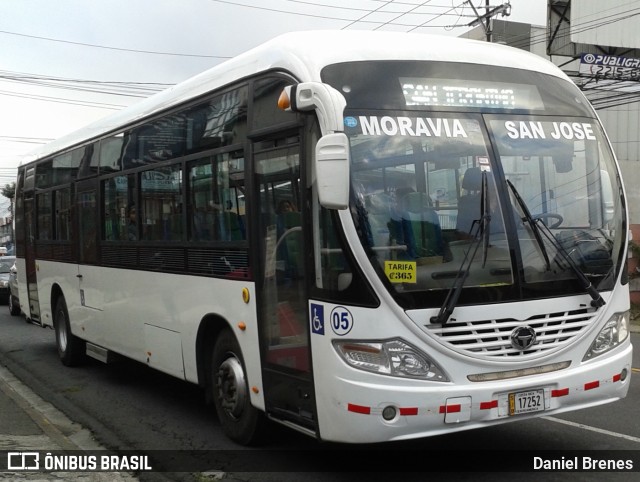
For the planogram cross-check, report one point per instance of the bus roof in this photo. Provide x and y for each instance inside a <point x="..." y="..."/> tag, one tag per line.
<point x="304" y="54"/>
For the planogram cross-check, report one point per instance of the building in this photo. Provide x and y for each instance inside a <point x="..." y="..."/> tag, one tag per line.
<point x="6" y="233"/>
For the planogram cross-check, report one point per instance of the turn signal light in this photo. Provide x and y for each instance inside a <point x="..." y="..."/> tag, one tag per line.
<point x="284" y="102"/>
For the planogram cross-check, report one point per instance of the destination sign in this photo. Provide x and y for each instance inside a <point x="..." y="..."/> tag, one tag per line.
<point x="469" y="93"/>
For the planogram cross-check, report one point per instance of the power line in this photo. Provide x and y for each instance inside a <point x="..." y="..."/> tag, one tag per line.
<point x="342" y="19"/>
<point x="369" y="12"/>
<point x="59" y="100"/>
<point x="422" y="25"/>
<point x="138" y="51"/>
<point x="128" y="89"/>
<point x="353" y="9"/>
<point x="416" y="7"/>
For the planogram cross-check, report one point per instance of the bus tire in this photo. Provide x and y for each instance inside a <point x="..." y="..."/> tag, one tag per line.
<point x="240" y="420"/>
<point x="71" y="349"/>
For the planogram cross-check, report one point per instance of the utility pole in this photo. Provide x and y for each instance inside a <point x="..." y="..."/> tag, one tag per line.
<point x="486" y="20"/>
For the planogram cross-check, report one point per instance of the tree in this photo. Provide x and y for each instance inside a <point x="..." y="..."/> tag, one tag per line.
<point x="9" y="191"/>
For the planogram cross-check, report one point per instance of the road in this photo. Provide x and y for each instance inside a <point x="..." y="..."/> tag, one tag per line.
<point x="130" y="407"/>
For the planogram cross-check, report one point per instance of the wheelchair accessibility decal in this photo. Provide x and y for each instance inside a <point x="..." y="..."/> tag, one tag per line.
<point x="317" y="319"/>
<point x="340" y="320"/>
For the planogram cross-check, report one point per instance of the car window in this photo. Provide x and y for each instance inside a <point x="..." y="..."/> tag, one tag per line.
<point x="5" y="265"/>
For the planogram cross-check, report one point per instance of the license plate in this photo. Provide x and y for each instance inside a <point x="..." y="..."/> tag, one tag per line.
<point x="526" y="402"/>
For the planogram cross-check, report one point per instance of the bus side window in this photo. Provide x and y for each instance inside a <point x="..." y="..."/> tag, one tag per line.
<point x="200" y="200"/>
<point x="119" y="197"/>
<point x="337" y="276"/>
<point x="44" y="211"/>
<point x="161" y="202"/>
<point x="228" y="198"/>
<point x="335" y="270"/>
<point x="216" y="205"/>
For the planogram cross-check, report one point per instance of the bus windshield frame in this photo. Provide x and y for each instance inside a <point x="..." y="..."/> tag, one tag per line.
<point x="415" y="165"/>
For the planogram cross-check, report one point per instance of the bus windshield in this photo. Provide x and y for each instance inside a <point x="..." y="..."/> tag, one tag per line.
<point x="418" y="166"/>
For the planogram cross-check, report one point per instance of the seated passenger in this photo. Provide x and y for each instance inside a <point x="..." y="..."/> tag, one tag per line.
<point x="469" y="203"/>
<point x="415" y="223"/>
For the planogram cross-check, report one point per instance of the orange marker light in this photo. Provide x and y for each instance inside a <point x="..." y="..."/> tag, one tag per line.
<point x="283" y="101"/>
<point x="242" y="325"/>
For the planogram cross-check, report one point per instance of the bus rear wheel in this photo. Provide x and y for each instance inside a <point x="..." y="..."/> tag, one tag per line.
<point x="71" y="349"/>
<point x="240" y="420"/>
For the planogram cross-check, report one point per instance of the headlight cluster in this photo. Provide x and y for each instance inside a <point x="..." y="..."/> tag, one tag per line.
<point x="4" y="283"/>
<point x="614" y="332"/>
<point x="392" y="357"/>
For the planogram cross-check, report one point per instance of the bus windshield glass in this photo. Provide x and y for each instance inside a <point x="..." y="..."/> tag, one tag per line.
<point x="421" y="151"/>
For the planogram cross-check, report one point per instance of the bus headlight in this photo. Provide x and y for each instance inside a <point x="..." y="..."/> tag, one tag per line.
<point x="614" y="332"/>
<point x="392" y="357"/>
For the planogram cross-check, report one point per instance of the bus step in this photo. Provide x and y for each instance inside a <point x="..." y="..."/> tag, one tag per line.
<point x="99" y="353"/>
<point x="34" y="321"/>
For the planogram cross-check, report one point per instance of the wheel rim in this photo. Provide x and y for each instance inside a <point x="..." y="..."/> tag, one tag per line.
<point x="232" y="388"/>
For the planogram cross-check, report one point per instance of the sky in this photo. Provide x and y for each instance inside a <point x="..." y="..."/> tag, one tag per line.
<point x="67" y="63"/>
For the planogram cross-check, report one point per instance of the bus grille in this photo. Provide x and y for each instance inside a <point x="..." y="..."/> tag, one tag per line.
<point x="491" y="339"/>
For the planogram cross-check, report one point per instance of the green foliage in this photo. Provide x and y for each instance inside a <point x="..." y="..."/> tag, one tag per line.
<point x="9" y="191"/>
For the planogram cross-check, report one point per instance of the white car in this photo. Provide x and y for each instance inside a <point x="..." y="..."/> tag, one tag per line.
<point x="13" y="301"/>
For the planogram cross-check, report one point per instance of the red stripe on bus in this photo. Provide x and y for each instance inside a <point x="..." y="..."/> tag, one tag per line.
<point x="592" y="385"/>
<point x="560" y="393"/>
<point x="617" y="377"/>
<point x="450" y="408"/>
<point x="489" y="405"/>
<point x="358" y="408"/>
<point x="409" y="411"/>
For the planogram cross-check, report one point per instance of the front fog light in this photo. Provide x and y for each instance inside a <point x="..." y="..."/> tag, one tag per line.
<point x="614" y="332"/>
<point x="389" y="357"/>
<point x="389" y="413"/>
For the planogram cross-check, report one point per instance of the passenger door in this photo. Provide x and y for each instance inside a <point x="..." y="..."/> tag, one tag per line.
<point x="282" y="281"/>
<point x="31" y="274"/>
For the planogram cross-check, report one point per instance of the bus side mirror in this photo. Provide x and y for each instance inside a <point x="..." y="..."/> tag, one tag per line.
<point x="332" y="170"/>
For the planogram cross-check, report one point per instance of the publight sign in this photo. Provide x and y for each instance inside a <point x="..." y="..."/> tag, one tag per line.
<point x="610" y="67"/>
<point x="470" y="93"/>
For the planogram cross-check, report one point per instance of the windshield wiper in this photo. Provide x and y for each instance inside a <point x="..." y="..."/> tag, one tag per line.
<point x="596" y="300"/>
<point x="481" y="236"/>
<point x="532" y="222"/>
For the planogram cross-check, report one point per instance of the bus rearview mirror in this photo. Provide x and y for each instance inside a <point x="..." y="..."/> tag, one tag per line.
<point x="332" y="170"/>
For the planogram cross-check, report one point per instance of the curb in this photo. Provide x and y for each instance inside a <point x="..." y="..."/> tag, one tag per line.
<point x="57" y="432"/>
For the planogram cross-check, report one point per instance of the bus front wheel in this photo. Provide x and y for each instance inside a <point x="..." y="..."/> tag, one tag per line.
<point x="71" y="349"/>
<point x="240" y="420"/>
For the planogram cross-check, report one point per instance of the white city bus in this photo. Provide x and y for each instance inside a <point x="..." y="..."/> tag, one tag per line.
<point x="364" y="236"/>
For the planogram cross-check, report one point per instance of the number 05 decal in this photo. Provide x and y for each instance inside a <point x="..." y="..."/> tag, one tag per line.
<point x="341" y="320"/>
